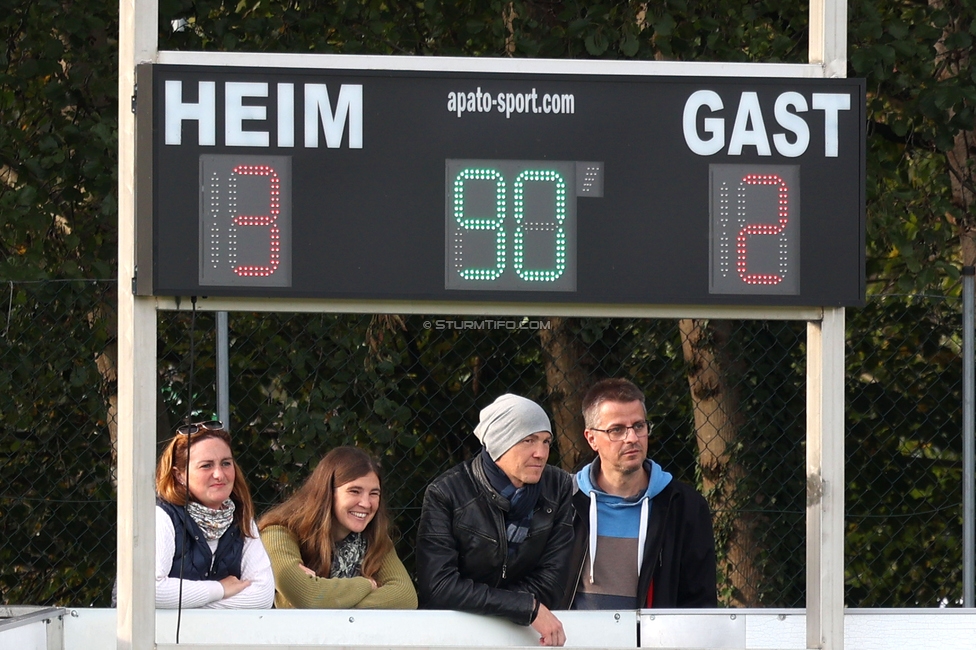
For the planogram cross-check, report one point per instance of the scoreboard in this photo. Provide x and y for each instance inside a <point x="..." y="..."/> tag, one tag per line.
<point x="488" y="187"/>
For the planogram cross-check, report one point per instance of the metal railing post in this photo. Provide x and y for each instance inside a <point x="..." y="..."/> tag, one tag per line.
<point x="968" y="273"/>
<point x="223" y="370"/>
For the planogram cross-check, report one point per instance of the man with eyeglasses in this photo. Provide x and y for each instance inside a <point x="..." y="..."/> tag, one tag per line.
<point x="643" y="539"/>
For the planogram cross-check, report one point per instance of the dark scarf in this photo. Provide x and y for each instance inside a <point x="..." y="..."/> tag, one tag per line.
<point x="521" y="501"/>
<point x="347" y="556"/>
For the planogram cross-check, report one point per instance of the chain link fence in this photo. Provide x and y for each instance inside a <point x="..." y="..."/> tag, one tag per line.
<point x="727" y="400"/>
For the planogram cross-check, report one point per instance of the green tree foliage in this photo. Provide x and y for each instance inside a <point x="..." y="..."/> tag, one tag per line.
<point x="904" y="455"/>
<point x="57" y="508"/>
<point x="921" y="93"/>
<point x="904" y="414"/>
<point x="57" y="221"/>
<point x="58" y="88"/>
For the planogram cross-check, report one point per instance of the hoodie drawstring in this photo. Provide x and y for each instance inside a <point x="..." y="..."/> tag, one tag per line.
<point x="592" y="534"/>
<point x="642" y="534"/>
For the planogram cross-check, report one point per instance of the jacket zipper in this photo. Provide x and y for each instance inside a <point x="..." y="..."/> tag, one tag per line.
<point x="503" y="542"/>
<point x="659" y="562"/>
<point x="579" y="576"/>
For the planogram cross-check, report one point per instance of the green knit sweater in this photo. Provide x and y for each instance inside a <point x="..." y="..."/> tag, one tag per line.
<point x="296" y="589"/>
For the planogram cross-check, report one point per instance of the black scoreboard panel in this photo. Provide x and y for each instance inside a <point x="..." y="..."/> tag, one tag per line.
<point x="501" y="187"/>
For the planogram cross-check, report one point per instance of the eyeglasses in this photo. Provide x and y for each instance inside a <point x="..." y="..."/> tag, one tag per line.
<point x="618" y="433"/>
<point x="190" y="429"/>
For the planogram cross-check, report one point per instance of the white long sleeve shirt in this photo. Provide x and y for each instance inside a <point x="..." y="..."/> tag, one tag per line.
<point x="255" y="566"/>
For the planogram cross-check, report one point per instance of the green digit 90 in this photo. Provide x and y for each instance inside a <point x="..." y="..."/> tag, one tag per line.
<point x="524" y="224"/>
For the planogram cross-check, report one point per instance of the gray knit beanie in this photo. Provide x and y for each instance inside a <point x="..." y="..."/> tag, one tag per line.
<point x="508" y="420"/>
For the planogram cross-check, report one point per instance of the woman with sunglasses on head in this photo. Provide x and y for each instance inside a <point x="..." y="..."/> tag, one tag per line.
<point x="205" y="529"/>
<point x="329" y="543"/>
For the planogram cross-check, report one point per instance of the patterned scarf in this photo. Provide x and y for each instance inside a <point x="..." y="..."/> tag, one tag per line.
<point x="347" y="557"/>
<point x="213" y="523"/>
<point x="522" y="502"/>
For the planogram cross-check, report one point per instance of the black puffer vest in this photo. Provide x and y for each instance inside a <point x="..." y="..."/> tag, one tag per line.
<point x="200" y="563"/>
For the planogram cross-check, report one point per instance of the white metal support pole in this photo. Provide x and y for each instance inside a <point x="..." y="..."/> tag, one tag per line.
<point x="223" y="370"/>
<point x="968" y="461"/>
<point x="825" y="481"/>
<point x="828" y="36"/>
<point x="135" y="627"/>
<point x="825" y="402"/>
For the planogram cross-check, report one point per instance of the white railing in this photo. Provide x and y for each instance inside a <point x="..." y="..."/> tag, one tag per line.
<point x="25" y="627"/>
<point x="35" y="628"/>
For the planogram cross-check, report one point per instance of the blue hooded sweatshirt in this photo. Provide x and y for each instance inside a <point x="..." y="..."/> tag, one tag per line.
<point x="618" y="527"/>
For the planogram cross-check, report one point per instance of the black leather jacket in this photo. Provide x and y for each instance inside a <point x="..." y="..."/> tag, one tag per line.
<point x="462" y="552"/>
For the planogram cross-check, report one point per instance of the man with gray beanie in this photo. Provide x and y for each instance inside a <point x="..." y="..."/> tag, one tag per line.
<point x="496" y="531"/>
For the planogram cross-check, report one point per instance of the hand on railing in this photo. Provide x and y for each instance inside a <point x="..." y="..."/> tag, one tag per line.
<point x="549" y="628"/>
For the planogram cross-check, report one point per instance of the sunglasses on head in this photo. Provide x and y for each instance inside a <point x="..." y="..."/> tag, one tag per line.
<point x="190" y="429"/>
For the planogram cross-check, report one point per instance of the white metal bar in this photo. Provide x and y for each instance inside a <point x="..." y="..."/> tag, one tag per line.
<point x="135" y="626"/>
<point x="765" y="629"/>
<point x="29" y="615"/>
<point x="825" y="481"/>
<point x="828" y="36"/>
<point x="825" y="402"/>
<point x="489" y="310"/>
<point x="488" y="64"/>
<point x="223" y="370"/>
<point x="968" y="524"/>
<point x="290" y="646"/>
<point x="55" y="633"/>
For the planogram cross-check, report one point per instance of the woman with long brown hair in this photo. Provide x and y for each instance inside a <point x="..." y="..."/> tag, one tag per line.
<point x="208" y="549"/>
<point x="330" y="544"/>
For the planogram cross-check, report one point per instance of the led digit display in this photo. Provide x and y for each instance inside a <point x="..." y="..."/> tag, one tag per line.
<point x="511" y="224"/>
<point x="755" y="229"/>
<point x="245" y="220"/>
